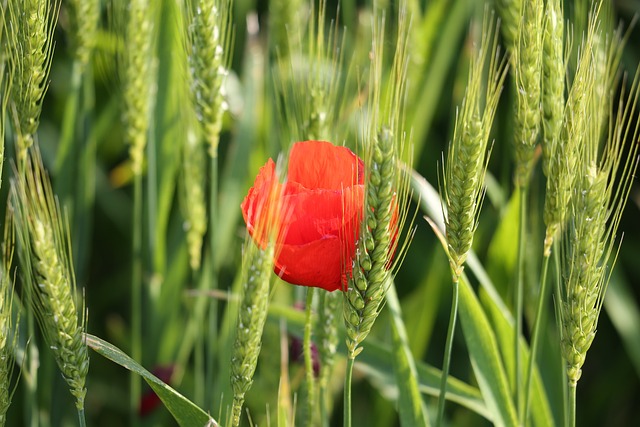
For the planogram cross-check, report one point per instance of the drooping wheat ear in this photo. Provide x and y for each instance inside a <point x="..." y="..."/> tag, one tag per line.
<point x="564" y="153"/>
<point x="527" y="68"/>
<point x="209" y="54"/>
<point x="590" y="249"/>
<point x="286" y="21"/>
<point x="7" y="343"/>
<point x="468" y="157"/>
<point x="83" y="18"/>
<point x="30" y="27"/>
<point x="45" y="258"/>
<point x="385" y="197"/>
<point x="510" y="12"/>
<point x="257" y="267"/>
<point x="554" y="148"/>
<point x="137" y="71"/>
<point x="309" y="81"/>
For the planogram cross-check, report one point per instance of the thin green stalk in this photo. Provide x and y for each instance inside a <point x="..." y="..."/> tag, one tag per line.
<point x="524" y="190"/>
<point x="563" y="365"/>
<point x="212" y="338"/>
<point x="67" y="133"/>
<point x="572" y="405"/>
<point x="542" y="297"/>
<point x="308" y="359"/>
<point x="32" y="379"/>
<point x="347" y="391"/>
<point x="136" y="296"/>
<point x="324" y="415"/>
<point x="81" y="419"/>
<point x="447" y="352"/>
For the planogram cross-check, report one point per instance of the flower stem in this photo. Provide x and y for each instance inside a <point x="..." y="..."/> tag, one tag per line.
<point x="347" y="391"/>
<point x="136" y="296"/>
<point x="447" y="352"/>
<point x="308" y="359"/>
<point x="518" y="296"/>
<point x="542" y="297"/>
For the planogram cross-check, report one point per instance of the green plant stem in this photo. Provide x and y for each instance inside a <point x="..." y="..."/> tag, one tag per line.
<point x="31" y="408"/>
<point x="70" y="117"/>
<point x="81" y="420"/>
<point x="308" y="359"/>
<point x="563" y="367"/>
<point x="347" y="391"/>
<point x="447" y="352"/>
<point x="136" y="296"/>
<point x="324" y="415"/>
<point x="212" y="338"/>
<point x="542" y="297"/>
<point x="572" y="405"/>
<point x="518" y="296"/>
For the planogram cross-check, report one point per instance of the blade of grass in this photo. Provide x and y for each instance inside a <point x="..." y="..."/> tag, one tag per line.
<point x="413" y="411"/>
<point x="184" y="411"/>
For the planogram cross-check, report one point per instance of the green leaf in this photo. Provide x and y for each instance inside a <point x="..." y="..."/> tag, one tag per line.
<point x="186" y="413"/>
<point x="485" y="358"/>
<point x="625" y="316"/>
<point x="413" y="411"/>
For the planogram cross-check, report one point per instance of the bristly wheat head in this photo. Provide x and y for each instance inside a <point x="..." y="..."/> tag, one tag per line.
<point x="527" y="68"/>
<point x="193" y="198"/>
<point x="604" y="177"/>
<point x="386" y="189"/>
<point x="510" y="12"/>
<point x="6" y="80"/>
<point x="30" y="27"/>
<point x="137" y="70"/>
<point x="257" y="267"/>
<point x="468" y="157"/>
<point x="83" y="17"/>
<point x="7" y="331"/>
<point x="209" y="50"/>
<point x="45" y="258"/>
<point x="309" y="82"/>
<point x="287" y="18"/>
<point x="554" y="149"/>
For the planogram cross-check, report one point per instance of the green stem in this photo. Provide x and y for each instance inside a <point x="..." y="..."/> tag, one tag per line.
<point x="212" y="338"/>
<point x="81" y="420"/>
<point x="542" y="297"/>
<point x="70" y="118"/>
<point x="308" y="359"/>
<point x="324" y="415"/>
<point x="347" y="391"/>
<point x="447" y="352"/>
<point x="572" y="405"/>
<point x="518" y="297"/>
<point x="136" y="296"/>
<point x="563" y="367"/>
<point x="31" y="408"/>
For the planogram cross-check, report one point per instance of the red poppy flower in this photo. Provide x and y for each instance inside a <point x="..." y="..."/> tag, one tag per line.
<point x="319" y="224"/>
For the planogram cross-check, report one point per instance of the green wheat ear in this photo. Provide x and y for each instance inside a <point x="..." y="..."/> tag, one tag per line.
<point x="136" y="20"/>
<point x="257" y="268"/>
<point x="44" y="253"/>
<point x="30" y="49"/>
<point x="527" y="69"/>
<point x="8" y="334"/>
<point x="467" y="156"/>
<point x="309" y="81"/>
<point x="383" y="143"/>
<point x="83" y="18"/>
<point x="510" y="12"/>
<point x="603" y="183"/>
<point x="209" y="48"/>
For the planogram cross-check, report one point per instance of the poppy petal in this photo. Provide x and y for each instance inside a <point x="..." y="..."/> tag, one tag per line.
<point x="322" y="165"/>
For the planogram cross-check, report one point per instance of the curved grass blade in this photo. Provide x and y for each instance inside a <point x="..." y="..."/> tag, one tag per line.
<point x="186" y="413"/>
